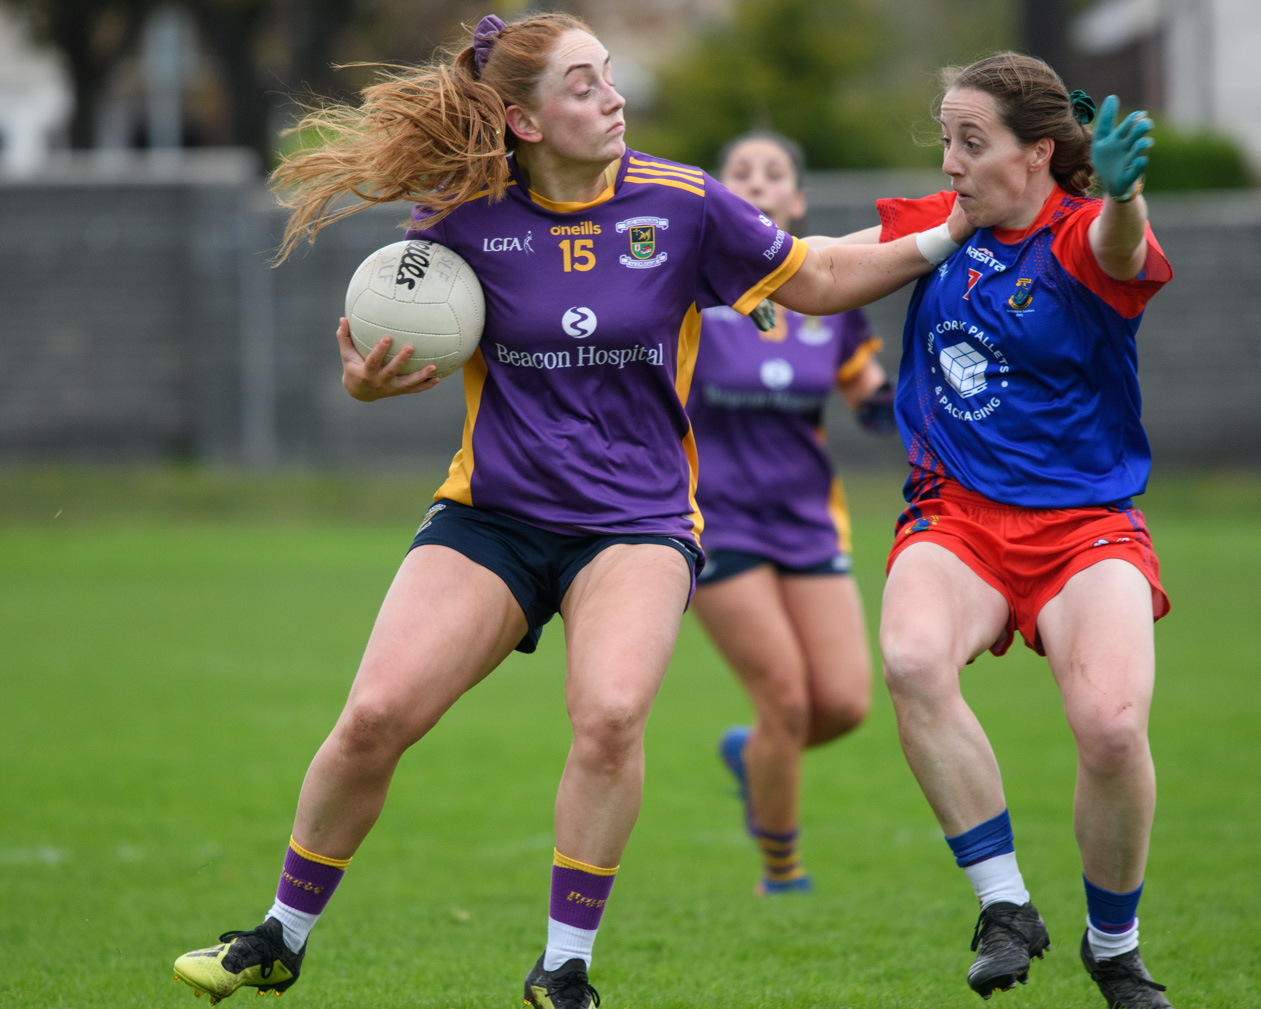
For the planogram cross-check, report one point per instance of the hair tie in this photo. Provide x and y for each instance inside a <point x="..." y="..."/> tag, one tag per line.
<point x="485" y="35"/>
<point x="1083" y="107"/>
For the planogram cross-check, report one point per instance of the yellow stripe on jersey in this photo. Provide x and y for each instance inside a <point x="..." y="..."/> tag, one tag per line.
<point x="857" y="361"/>
<point x="310" y="856"/>
<point x="689" y="343"/>
<point x="640" y="180"/>
<point x="565" y="862"/>
<point x="748" y="301"/>
<point x="838" y="508"/>
<point x="646" y="168"/>
<point x="459" y="483"/>
<point x="557" y="207"/>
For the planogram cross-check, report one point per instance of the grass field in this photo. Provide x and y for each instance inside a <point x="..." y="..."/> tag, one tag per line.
<point x="174" y="645"/>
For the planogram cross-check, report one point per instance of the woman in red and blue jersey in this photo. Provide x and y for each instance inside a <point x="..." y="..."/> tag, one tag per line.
<point x="776" y="594"/>
<point x="573" y="490"/>
<point x="1019" y="404"/>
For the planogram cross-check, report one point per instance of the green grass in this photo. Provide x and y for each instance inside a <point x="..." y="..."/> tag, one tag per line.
<point x="175" y="644"/>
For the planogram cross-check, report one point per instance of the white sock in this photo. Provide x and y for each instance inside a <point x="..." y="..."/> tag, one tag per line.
<point x="297" y="924"/>
<point x="564" y="942"/>
<point x="1106" y="944"/>
<point x="996" y="879"/>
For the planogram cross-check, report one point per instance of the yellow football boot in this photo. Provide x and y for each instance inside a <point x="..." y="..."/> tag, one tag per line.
<point x="256" y="959"/>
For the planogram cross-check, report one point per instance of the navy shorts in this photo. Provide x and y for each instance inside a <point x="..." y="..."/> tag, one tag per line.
<point x="723" y="564"/>
<point x="538" y="566"/>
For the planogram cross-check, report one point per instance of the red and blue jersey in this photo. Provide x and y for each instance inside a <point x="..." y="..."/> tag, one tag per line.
<point x="766" y="484"/>
<point x="1019" y="374"/>
<point x="575" y="420"/>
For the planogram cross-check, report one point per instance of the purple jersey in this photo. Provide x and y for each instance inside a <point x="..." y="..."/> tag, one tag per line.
<point x="575" y="395"/>
<point x="756" y="405"/>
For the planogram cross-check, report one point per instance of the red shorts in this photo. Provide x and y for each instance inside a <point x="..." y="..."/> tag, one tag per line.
<point x="1027" y="554"/>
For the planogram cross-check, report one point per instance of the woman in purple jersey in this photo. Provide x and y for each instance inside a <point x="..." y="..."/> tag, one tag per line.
<point x="1018" y="401"/>
<point x="776" y="595"/>
<point x="572" y="490"/>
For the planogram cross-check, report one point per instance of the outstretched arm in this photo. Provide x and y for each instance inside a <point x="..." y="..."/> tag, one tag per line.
<point x="849" y="274"/>
<point x="1118" y="236"/>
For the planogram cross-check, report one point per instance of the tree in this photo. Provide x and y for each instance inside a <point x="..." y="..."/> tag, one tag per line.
<point x="807" y="68"/>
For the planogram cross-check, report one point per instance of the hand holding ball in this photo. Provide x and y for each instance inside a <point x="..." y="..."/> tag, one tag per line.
<point x="420" y="293"/>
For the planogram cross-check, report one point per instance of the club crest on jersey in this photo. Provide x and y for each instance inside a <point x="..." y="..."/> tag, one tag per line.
<point x="1022" y="298"/>
<point x="920" y="525"/>
<point x="643" y="242"/>
<point x="813" y="333"/>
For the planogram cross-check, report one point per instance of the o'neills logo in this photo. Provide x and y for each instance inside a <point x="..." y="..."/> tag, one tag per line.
<point x="585" y="228"/>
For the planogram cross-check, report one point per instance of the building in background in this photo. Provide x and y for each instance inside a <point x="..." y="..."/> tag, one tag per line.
<point x="35" y="100"/>
<point x="1194" y="61"/>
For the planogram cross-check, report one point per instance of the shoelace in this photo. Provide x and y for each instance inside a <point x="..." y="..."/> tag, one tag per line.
<point x="988" y="921"/>
<point x="1114" y="970"/>
<point x="266" y="961"/>
<point x="573" y="987"/>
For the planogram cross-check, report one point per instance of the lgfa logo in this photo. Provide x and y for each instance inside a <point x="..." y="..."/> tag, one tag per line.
<point x="509" y="244"/>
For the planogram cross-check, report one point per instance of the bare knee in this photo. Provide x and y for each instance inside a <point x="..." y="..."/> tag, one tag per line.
<point x="371" y="729"/>
<point x="608" y="736"/>
<point x="843" y="707"/>
<point x="839" y="716"/>
<point x="1112" y="742"/>
<point x="917" y="668"/>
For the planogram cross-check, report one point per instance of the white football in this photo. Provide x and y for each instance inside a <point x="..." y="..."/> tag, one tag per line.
<point x="422" y="293"/>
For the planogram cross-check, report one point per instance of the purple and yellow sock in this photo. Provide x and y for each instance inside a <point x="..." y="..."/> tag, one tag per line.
<point x="781" y="862"/>
<point x="308" y="880"/>
<point x="579" y="894"/>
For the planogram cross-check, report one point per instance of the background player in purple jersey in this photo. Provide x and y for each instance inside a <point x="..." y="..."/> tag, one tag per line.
<point x="776" y="594"/>
<point x="573" y="489"/>
<point x="1018" y="401"/>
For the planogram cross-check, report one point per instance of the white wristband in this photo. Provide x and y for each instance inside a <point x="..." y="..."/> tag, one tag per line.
<point x="935" y="244"/>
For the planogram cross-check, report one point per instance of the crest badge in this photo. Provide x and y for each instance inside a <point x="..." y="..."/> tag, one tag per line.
<point x="1023" y="295"/>
<point x="642" y="232"/>
<point x="643" y="241"/>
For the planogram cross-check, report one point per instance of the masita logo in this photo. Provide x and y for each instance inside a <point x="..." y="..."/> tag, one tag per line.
<point x="578" y="322"/>
<point x="510" y="243"/>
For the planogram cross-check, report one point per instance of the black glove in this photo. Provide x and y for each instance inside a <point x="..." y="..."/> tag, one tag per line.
<point x="875" y="413"/>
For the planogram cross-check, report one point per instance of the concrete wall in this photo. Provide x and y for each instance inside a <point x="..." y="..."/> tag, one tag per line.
<point x="141" y="322"/>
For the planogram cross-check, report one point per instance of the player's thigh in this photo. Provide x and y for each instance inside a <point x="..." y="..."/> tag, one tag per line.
<point x="622" y="614"/>
<point x="746" y="618"/>
<point x="937" y="613"/>
<point x="1098" y="635"/>
<point x="445" y="623"/>
<point x="826" y="612"/>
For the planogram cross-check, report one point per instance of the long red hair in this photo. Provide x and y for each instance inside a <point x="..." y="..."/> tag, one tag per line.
<point x="434" y="135"/>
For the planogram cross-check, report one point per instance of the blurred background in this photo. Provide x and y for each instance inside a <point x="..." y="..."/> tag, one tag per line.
<point x="144" y="324"/>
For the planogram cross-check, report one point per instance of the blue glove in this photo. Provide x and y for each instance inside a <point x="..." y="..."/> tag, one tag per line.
<point x="764" y="316"/>
<point x="1119" y="151"/>
<point x="875" y="413"/>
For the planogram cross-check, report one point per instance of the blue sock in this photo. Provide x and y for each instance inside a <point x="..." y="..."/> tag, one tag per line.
<point x="1111" y="912"/>
<point x="993" y="837"/>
